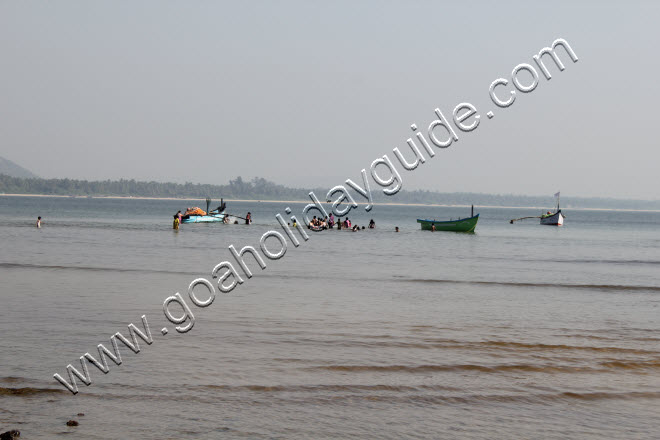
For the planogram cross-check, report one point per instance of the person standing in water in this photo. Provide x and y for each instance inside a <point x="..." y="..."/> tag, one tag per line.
<point x="38" y="222"/>
<point x="179" y="215"/>
<point x="396" y="229"/>
<point x="248" y="219"/>
<point x="175" y="224"/>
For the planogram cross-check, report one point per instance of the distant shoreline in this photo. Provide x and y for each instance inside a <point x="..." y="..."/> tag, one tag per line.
<point x="307" y="201"/>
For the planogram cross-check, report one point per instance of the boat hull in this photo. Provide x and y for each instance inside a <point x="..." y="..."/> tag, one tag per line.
<point x="556" y="219"/>
<point x="461" y="225"/>
<point x="214" y="218"/>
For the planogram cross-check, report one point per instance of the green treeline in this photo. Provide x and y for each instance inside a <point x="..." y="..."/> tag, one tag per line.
<point x="258" y="188"/>
<point x="262" y="189"/>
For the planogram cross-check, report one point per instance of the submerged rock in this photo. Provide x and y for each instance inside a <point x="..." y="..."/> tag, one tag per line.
<point x="10" y="435"/>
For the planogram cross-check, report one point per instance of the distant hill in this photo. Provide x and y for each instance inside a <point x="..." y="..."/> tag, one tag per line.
<point x="262" y="189"/>
<point x="12" y="169"/>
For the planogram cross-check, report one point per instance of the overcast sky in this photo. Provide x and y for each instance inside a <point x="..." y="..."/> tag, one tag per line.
<point x="309" y="93"/>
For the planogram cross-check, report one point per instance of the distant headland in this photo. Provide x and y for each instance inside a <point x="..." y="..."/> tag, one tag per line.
<point x="13" y="169"/>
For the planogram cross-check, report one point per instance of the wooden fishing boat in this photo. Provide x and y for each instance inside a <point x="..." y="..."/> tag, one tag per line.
<point x="215" y="216"/>
<point x="556" y="219"/>
<point x="550" y="218"/>
<point x="461" y="225"/>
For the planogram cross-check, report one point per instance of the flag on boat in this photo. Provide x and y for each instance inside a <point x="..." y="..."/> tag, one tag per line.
<point x="557" y="195"/>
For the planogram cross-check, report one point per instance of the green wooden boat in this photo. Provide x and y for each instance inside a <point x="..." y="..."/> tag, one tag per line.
<point x="461" y="225"/>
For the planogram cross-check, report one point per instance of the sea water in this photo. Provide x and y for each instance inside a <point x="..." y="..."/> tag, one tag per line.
<point x="515" y="331"/>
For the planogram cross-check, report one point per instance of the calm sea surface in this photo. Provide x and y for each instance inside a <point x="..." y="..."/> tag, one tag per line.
<point x="516" y="331"/>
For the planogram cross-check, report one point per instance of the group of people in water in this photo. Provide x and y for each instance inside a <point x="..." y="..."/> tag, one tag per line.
<point x="316" y="223"/>
<point x="329" y="223"/>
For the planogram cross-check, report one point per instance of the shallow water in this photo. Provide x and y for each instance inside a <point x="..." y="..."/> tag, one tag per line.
<point x="516" y="331"/>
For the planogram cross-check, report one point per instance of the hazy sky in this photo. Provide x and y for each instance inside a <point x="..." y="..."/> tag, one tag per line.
<point x="309" y="93"/>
